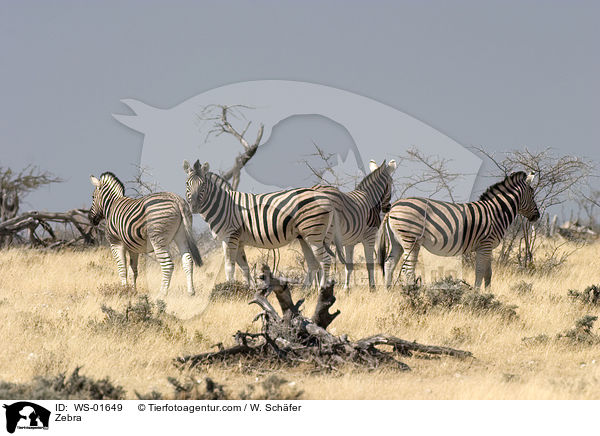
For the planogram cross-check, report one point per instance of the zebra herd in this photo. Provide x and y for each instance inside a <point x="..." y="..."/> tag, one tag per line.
<point x="317" y="217"/>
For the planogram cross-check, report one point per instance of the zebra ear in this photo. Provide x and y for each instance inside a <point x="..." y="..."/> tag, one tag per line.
<point x="392" y="167"/>
<point x="94" y="181"/>
<point x="187" y="167"/>
<point x="373" y="165"/>
<point x="205" y="168"/>
<point x="530" y="178"/>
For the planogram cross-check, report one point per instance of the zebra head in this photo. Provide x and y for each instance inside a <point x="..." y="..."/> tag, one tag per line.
<point x="195" y="185"/>
<point x="107" y="188"/>
<point x="385" y="172"/>
<point x="527" y="205"/>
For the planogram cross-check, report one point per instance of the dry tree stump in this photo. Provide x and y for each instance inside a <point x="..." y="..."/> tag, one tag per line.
<point x="291" y="338"/>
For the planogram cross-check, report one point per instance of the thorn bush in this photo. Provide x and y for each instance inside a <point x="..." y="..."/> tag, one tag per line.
<point x="450" y="293"/>
<point x="590" y="295"/>
<point x="232" y="290"/>
<point x="61" y="387"/>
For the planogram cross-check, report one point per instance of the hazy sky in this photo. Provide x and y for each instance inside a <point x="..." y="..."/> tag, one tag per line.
<point x="499" y="74"/>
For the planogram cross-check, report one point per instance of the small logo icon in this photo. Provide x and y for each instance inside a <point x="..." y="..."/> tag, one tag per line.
<point x="26" y="415"/>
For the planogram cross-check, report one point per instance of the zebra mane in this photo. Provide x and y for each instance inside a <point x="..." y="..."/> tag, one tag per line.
<point x="220" y="180"/>
<point x="111" y="176"/>
<point x="491" y="191"/>
<point x="369" y="178"/>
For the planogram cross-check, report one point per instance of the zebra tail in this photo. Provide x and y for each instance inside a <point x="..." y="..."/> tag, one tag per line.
<point x="382" y="242"/>
<point x="186" y="215"/>
<point x="337" y="240"/>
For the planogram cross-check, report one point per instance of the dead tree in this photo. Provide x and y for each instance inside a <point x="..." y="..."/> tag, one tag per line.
<point x="41" y="232"/>
<point x="289" y="338"/>
<point x="221" y="125"/>
<point x="15" y="185"/>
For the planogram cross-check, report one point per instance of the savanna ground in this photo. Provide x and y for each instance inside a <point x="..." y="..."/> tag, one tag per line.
<point x="52" y="322"/>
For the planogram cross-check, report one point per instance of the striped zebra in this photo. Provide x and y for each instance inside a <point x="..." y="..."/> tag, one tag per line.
<point x="262" y="220"/>
<point x="141" y="225"/>
<point x="450" y="229"/>
<point x="359" y="214"/>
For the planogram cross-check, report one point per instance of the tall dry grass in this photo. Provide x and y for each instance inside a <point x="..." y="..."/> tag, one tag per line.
<point x="50" y="307"/>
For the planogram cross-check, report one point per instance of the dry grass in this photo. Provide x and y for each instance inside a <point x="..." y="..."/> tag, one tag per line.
<point x="50" y="306"/>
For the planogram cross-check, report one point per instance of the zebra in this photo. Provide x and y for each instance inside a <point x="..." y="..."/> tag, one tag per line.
<point x="360" y="214"/>
<point x="263" y="220"/>
<point x="141" y="225"/>
<point x="450" y="229"/>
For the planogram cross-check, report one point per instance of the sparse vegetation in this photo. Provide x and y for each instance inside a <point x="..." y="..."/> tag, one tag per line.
<point x="52" y="308"/>
<point x="590" y="295"/>
<point x="522" y="287"/>
<point x="271" y="388"/>
<point x="449" y="293"/>
<point x="234" y="290"/>
<point x="581" y="334"/>
<point x="63" y="387"/>
<point x="142" y="313"/>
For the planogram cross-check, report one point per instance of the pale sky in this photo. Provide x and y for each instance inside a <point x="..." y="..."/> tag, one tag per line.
<point x="501" y="74"/>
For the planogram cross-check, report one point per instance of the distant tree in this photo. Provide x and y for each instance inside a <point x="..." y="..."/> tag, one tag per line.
<point x="14" y="186"/>
<point x="559" y="178"/>
<point x="433" y="176"/>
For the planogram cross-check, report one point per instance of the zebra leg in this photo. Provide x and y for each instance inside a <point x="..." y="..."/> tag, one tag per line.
<point x="409" y="262"/>
<point x="324" y="260"/>
<point x="186" y="259"/>
<point x="166" y="265"/>
<point x="118" y="252"/>
<point x="311" y="263"/>
<point x="483" y="268"/>
<point x="349" y="264"/>
<point x="369" y="250"/>
<point x="487" y="277"/>
<point x="230" y="253"/>
<point x="133" y="263"/>
<point x="242" y="261"/>
<point x="392" y="261"/>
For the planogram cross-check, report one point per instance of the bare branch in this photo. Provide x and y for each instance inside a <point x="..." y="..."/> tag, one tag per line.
<point x="141" y="184"/>
<point x="434" y="171"/>
<point x="325" y="173"/>
<point x="16" y="185"/>
<point x="559" y="178"/>
<point x="219" y="115"/>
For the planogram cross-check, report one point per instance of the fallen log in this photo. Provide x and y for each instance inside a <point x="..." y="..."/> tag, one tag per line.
<point x="290" y="338"/>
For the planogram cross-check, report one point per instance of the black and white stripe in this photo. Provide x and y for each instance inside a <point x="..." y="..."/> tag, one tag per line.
<point x="360" y="213"/>
<point x="141" y="225"/>
<point x="450" y="229"/>
<point x="262" y="220"/>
